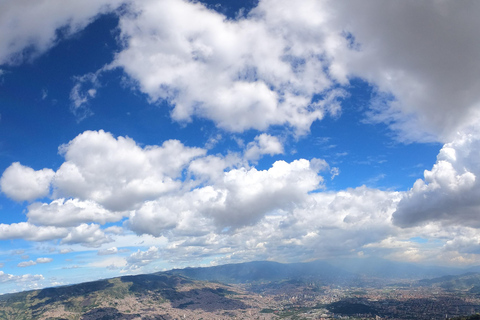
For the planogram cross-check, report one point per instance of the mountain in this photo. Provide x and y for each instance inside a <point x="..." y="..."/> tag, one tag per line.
<point x="146" y="297"/>
<point x="266" y="271"/>
<point x="254" y="290"/>
<point x="466" y="282"/>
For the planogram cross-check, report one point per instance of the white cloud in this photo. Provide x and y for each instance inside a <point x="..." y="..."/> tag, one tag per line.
<point x="244" y="196"/>
<point x="323" y="225"/>
<point x="422" y="54"/>
<point x="263" y="144"/>
<point x="450" y="192"/>
<point x="26" y="264"/>
<point x="117" y="173"/>
<point x="88" y="235"/>
<point x="211" y="168"/>
<point x="241" y="74"/>
<point x="82" y="92"/>
<point x="140" y="259"/>
<point x="66" y="250"/>
<point x="5" y="277"/>
<point x="32" y="263"/>
<point x="154" y="217"/>
<point x="70" y="213"/>
<point x="109" y="251"/>
<point x="23" y="183"/>
<point x="44" y="260"/>
<point x="28" y="28"/>
<point x="265" y="69"/>
<point x="239" y="197"/>
<point x="30" y="232"/>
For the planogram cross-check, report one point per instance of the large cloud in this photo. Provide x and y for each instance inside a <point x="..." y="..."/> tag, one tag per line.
<point x="265" y="69"/>
<point x="239" y="197"/>
<point x="88" y="235"/>
<point x="450" y="192"/>
<point x="29" y="28"/>
<point x="241" y="74"/>
<point x="167" y="188"/>
<point x="117" y="173"/>
<point x="23" y="183"/>
<point x="324" y="224"/>
<point x="221" y="206"/>
<point x="28" y="231"/>
<point x="424" y="54"/>
<point x="70" y="213"/>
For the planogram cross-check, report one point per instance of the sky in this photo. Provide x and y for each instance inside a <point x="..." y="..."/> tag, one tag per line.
<point x="140" y="136"/>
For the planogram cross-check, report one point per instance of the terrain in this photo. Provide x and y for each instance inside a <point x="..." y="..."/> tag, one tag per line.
<point x="255" y="290"/>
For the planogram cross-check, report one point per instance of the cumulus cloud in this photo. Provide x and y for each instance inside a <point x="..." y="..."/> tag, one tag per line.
<point x="269" y="67"/>
<point x="244" y="196"/>
<point x="117" y="173"/>
<point x="70" y="213"/>
<point x="240" y="197"/>
<point x="109" y="251"/>
<point x="66" y="250"/>
<point x="88" y="235"/>
<point x="22" y="183"/>
<point x="5" y="277"/>
<point x="154" y="217"/>
<point x="140" y="259"/>
<point x="450" y="192"/>
<point x="284" y="63"/>
<point x="44" y="260"/>
<point x="211" y="168"/>
<point x="30" y="28"/>
<point x="32" y="263"/>
<point x="241" y="74"/>
<point x="26" y="264"/>
<point x="28" y="231"/>
<point x="423" y="61"/>
<point x="325" y="224"/>
<point x="263" y="144"/>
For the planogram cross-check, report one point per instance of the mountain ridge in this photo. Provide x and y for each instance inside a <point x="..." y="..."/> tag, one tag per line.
<point x="252" y="290"/>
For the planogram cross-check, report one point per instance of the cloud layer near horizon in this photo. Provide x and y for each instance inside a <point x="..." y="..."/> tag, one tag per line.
<point x="234" y="209"/>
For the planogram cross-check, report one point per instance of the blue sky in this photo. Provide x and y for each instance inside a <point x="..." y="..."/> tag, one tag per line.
<point x="142" y="136"/>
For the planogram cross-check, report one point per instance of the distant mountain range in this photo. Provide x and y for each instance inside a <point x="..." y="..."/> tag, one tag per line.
<point x="466" y="282"/>
<point x="212" y="291"/>
<point x="320" y="270"/>
<point x="266" y="271"/>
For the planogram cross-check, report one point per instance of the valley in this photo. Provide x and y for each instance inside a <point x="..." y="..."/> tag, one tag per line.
<point x="251" y="291"/>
